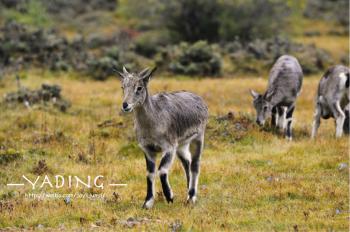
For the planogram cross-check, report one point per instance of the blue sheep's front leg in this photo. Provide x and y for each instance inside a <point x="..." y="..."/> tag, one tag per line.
<point x="164" y="166"/>
<point x="151" y="172"/>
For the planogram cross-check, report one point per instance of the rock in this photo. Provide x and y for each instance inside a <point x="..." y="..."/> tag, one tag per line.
<point x="342" y="166"/>
<point x="67" y="200"/>
<point x="175" y="226"/>
<point x="131" y="222"/>
<point x="239" y="126"/>
<point x="230" y="116"/>
<point x="270" y="178"/>
<point x="98" y="223"/>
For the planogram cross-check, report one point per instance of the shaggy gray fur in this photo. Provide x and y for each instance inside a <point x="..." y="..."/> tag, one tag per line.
<point x="179" y="115"/>
<point x="332" y="98"/>
<point x="166" y="123"/>
<point x="285" y="81"/>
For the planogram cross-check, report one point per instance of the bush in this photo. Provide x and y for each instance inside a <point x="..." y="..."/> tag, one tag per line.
<point x="9" y="155"/>
<point x="210" y="20"/>
<point x="252" y="19"/>
<point x="196" y="59"/>
<point x="214" y="21"/>
<point x="22" y="47"/>
<point x="336" y="11"/>
<point x="260" y="55"/>
<point x="192" y="20"/>
<point x="33" y="13"/>
<point x="147" y="44"/>
<point x="101" y="68"/>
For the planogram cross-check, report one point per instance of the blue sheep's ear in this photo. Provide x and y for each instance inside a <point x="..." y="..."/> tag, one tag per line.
<point x="125" y="71"/>
<point x="146" y="74"/>
<point x="123" y="74"/>
<point x="143" y="72"/>
<point x="254" y="94"/>
<point x="120" y="74"/>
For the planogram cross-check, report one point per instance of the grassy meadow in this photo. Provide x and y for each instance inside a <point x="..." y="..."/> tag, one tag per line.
<point x="252" y="179"/>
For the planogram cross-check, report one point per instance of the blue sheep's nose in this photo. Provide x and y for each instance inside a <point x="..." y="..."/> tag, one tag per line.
<point x="125" y="105"/>
<point x="258" y="122"/>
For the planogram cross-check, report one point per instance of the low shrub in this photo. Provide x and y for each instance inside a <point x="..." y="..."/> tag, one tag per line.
<point x="149" y="43"/>
<point x="330" y="10"/>
<point x="9" y="155"/>
<point x="260" y="55"/>
<point x="101" y="68"/>
<point x="199" y="58"/>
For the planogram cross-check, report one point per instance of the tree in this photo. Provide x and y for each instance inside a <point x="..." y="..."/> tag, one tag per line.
<point x="252" y="19"/>
<point x="192" y="20"/>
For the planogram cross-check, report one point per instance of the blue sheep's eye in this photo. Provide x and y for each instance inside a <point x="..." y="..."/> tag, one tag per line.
<point x="139" y="89"/>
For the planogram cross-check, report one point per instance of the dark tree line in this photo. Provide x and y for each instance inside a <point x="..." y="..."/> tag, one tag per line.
<point x="216" y="21"/>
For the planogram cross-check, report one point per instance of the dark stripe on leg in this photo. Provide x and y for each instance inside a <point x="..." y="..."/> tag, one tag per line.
<point x="166" y="187"/>
<point x="165" y="160"/>
<point x="280" y="111"/>
<point x="196" y="158"/>
<point x="192" y="192"/>
<point x="289" y="129"/>
<point x="149" y="189"/>
<point x="346" y="125"/>
<point x="273" y="117"/>
<point x="186" y="166"/>
<point x="195" y="164"/>
<point x="151" y="170"/>
<point x="165" y="165"/>
<point x="289" y="122"/>
<point x="195" y="170"/>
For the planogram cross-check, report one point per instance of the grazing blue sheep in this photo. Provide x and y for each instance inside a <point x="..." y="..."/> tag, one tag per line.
<point x="285" y="81"/>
